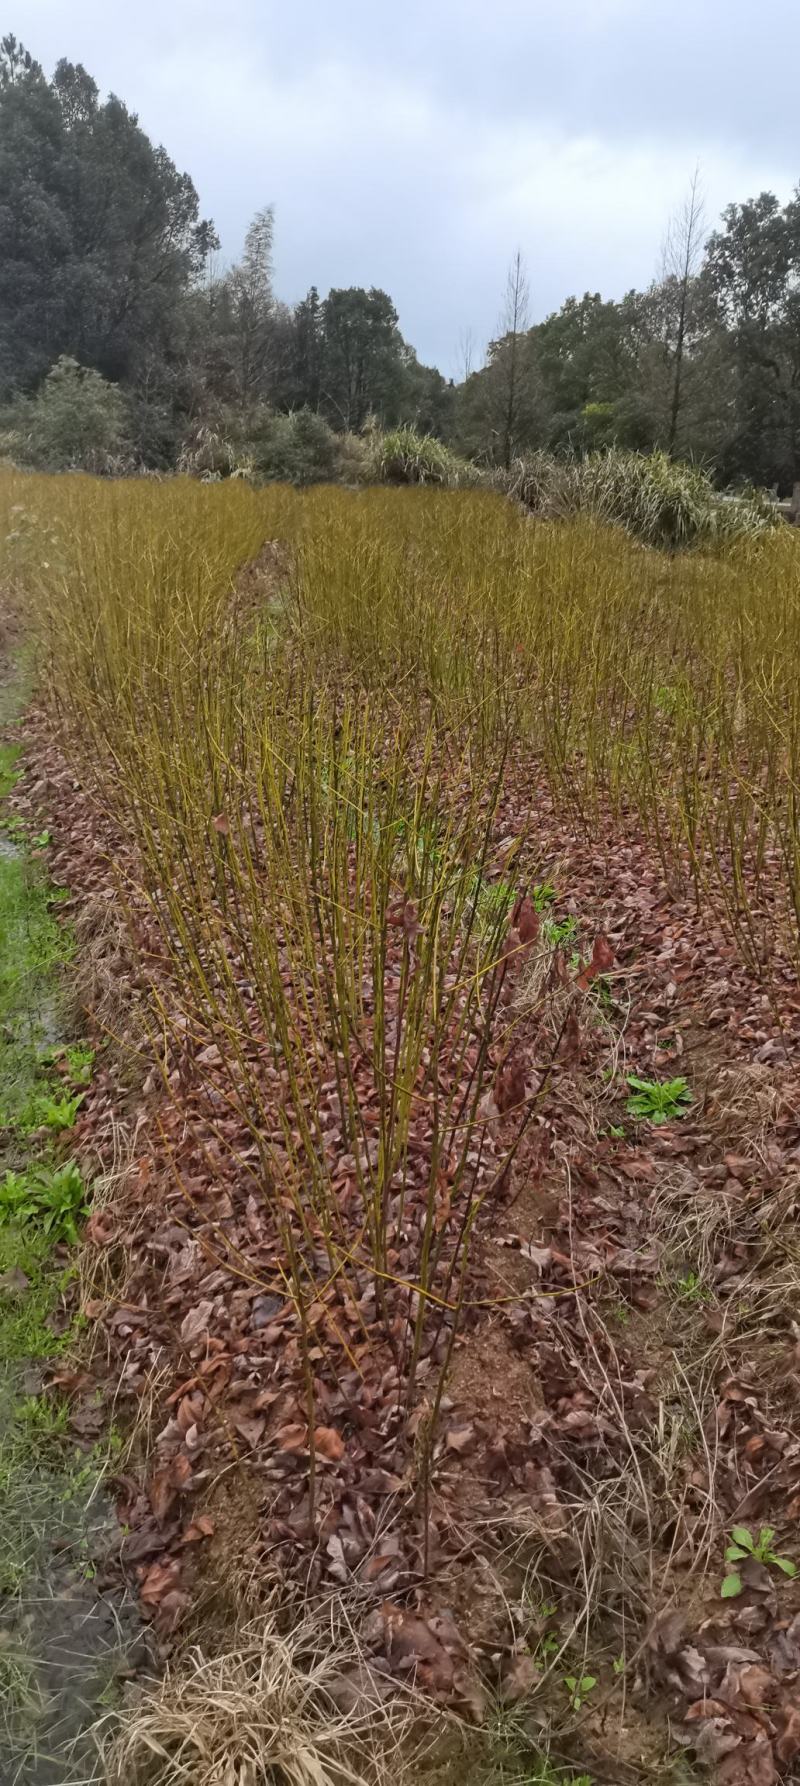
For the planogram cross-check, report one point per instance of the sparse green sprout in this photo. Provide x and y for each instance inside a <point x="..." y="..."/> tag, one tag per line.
<point x="557" y="933"/>
<point x="579" y="1687"/>
<point x="620" y="1313"/>
<point x="618" y="1665"/>
<point x="692" y="1288"/>
<point x="543" y="895"/>
<point x="744" y="1545"/>
<point x="493" y="900"/>
<point x="42" y="1416"/>
<point x="658" y="1100"/>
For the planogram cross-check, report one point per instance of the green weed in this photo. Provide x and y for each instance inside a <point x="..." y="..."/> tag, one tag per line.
<point x="579" y="1687"/>
<point x="658" y="1101"/>
<point x="79" y="1059"/>
<point x="54" y="1198"/>
<point x="560" y="932"/>
<point x="692" y="1288"/>
<point x="744" y="1545"/>
<point x="47" y="1110"/>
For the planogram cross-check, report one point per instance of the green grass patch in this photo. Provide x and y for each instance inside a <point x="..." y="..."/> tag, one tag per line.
<point x="9" y="773"/>
<point x="31" y="1289"/>
<point x="33" y="949"/>
<point x="46" y="1481"/>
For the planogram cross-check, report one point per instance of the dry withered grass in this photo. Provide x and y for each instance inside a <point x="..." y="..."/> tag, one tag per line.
<point x="304" y="1708"/>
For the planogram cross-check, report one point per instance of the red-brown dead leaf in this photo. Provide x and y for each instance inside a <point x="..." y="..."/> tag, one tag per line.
<point x="194" y="1325"/>
<point x="751" y="1765"/>
<point x="601" y="962"/>
<point x="100" y="1228"/>
<point x="202" y="1526"/>
<point x="459" y="1438"/>
<point x="410" y="1641"/>
<point x="571" y="1039"/>
<point x="328" y="1443"/>
<point x="250" y="1427"/>
<point x="159" y="1580"/>
<point x="528" y="922"/>
<point x="788" y="1743"/>
<point x="509" y="1086"/>
<point x="221" y="824"/>
<point x="292" y="1438"/>
<point x="162" y="1494"/>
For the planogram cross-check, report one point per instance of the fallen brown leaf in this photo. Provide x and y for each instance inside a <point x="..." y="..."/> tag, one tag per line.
<point x="328" y="1443"/>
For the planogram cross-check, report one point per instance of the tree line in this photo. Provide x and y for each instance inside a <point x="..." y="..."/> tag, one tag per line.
<point x="110" y="277"/>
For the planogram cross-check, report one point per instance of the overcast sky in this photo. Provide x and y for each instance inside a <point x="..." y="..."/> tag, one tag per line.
<point x="414" y="146"/>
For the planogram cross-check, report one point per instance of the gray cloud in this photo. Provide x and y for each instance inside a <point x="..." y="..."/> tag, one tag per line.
<point x="415" y="147"/>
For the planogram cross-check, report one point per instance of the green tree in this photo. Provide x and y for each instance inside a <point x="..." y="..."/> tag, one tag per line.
<point x="586" y="353"/>
<point x="76" y="421"/>
<point x="481" y="403"/>
<point x="308" y="350"/>
<point x="251" y="307"/>
<point x="363" y="358"/>
<point x="752" y="278"/>
<point x="100" y="238"/>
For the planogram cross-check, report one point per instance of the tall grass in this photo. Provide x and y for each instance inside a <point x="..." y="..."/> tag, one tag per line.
<point x="666" y="687"/>
<point x="313" y="787"/>
<point x="658" y="500"/>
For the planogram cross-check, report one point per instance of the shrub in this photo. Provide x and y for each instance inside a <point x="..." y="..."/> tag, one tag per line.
<point x="353" y="459"/>
<point x="209" y="455"/>
<point x="405" y="457"/>
<point x="658" y="500"/>
<point x="299" y="448"/>
<point x="77" y="421"/>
